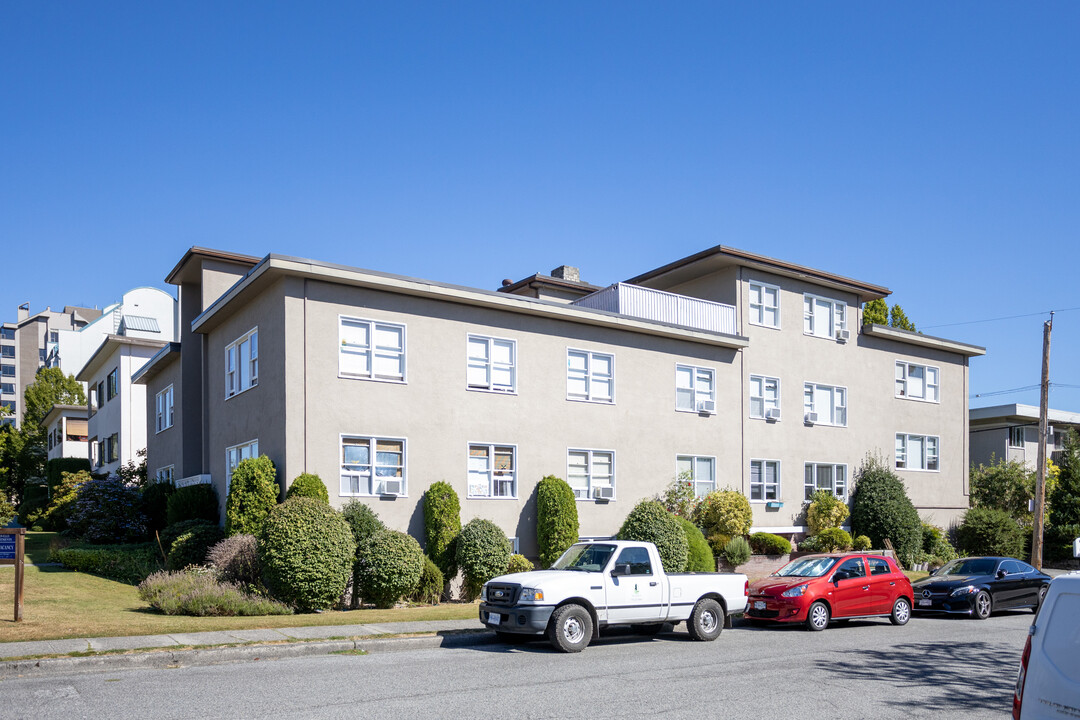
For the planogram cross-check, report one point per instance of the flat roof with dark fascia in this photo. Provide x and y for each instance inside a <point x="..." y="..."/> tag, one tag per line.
<point x="110" y="342"/>
<point x="58" y="410"/>
<point x="1017" y="411"/>
<point x="864" y="290"/>
<point x="914" y="338"/>
<point x="161" y="359"/>
<point x="357" y="277"/>
<point x="210" y="254"/>
<point x="540" y="279"/>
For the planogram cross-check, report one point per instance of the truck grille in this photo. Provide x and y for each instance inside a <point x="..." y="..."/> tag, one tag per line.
<point x="503" y="593"/>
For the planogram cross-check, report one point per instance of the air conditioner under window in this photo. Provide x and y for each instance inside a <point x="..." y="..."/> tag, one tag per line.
<point x="391" y="487"/>
<point x="810" y="418"/>
<point x="772" y="414"/>
<point x="706" y="406"/>
<point x="842" y="335"/>
<point x="603" y="492"/>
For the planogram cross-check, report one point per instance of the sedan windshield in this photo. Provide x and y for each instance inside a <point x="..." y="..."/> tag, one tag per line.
<point x="969" y="566"/>
<point x="584" y="556"/>
<point x="807" y="567"/>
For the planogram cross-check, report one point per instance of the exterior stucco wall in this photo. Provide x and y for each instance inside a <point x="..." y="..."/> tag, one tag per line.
<point x="166" y="447"/>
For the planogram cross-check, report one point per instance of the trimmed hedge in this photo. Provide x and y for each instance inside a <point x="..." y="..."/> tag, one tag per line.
<point x="442" y="523"/>
<point x="989" y="531"/>
<point x="429" y="590"/>
<point x="699" y="557"/>
<point x="724" y="512"/>
<point x="391" y="564"/>
<point x="556" y="519"/>
<point x="194" y="502"/>
<point x="764" y="543"/>
<point x="199" y="594"/>
<point x="881" y="509"/>
<point x="825" y="511"/>
<point x="650" y="522"/>
<point x="308" y="485"/>
<point x="833" y="539"/>
<point x="129" y="564"/>
<point x="363" y="522"/>
<point x="253" y="492"/>
<point x="861" y="543"/>
<point x="306" y="551"/>
<point x="483" y="552"/>
<point x="190" y="548"/>
<point x="55" y="468"/>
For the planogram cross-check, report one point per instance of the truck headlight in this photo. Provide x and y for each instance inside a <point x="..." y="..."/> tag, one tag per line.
<point x="532" y="595"/>
<point x="483" y="594"/>
<point x="966" y="590"/>
<point x="796" y="591"/>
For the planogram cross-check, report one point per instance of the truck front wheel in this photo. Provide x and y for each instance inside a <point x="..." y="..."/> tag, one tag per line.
<point x="706" y="621"/>
<point x="571" y="628"/>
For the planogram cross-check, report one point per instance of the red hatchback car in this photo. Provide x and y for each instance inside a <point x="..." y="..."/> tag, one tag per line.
<point x="815" y="588"/>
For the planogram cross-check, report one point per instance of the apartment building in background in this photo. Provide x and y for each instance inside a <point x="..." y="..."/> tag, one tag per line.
<point x="66" y="432"/>
<point x="726" y="369"/>
<point x="1011" y="432"/>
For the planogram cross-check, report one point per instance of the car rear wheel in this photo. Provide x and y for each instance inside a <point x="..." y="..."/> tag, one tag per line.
<point x="817" y="618"/>
<point x="706" y="621"/>
<point x="983" y="605"/>
<point x="901" y="612"/>
<point x="571" y="628"/>
<point x="1042" y="596"/>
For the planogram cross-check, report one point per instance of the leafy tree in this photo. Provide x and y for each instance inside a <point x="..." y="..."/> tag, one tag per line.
<point x="899" y="320"/>
<point x="132" y="473"/>
<point x="875" y="312"/>
<point x="50" y="387"/>
<point x="1008" y="486"/>
<point x="1065" y="499"/>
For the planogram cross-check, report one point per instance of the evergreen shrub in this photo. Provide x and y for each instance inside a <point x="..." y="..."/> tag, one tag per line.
<point x="737" y="551"/>
<point x="699" y="556"/>
<point x="363" y="522"/>
<point x="556" y="519"/>
<point x="129" y="564"/>
<point x="833" y="540"/>
<point x="989" y="531"/>
<point x="429" y="590"/>
<point x="861" y="543"/>
<point x="194" y="502"/>
<point x="442" y="523"/>
<point x="308" y="485"/>
<point x="56" y="467"/>
<point x="108" y="511"/>
<point x="724" y="512"/>
<point x="483" y="552"/>
<point x="650" y="522"/>
<point x="191" y="547"/>
<point x="881" y="509"/>
<point x="391" y="564"/>
<point x="763" y="543"/>
<point x="253" y="492"/>
<point x="519" y="564"/>
<point x="155" y="505"/>
<point x="825" y="511"/>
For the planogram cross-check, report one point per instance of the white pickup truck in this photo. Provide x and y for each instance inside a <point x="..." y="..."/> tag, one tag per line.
<point x="609" y="582"/>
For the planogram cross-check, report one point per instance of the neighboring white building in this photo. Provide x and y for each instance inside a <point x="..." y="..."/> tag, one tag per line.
<point x="1011" y="432"/>
<point x="66" y="430"/>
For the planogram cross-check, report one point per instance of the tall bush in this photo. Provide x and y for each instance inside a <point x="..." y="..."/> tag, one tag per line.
<point x="989" y="531"/>
<point x="679" y="497"/>
<point x="556" y="519"/>
<point x="363" y="522"/>
<point x="699" y="557"/>
<point x="1064" y="501"/>
<point x="483" y="552"/>
<point x="253" y="492"/>
<point x="56" y="467"/>
<point x="308" y="485"/>
<point x="650" y="522"/>
<point x="724" y="512"/>
<point x="442" y="523"/>
<point x="194" y="502"/>
<point x="391" y="564"/>
<point x="825" y="511"/>
<point x="62" y="505"/>
<point x="155" y="505"/>
<point x="108" y="511"/>
<point x="881" y="509"/>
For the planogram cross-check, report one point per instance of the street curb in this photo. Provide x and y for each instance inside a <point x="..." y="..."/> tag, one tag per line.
<point x="171" y="659"/>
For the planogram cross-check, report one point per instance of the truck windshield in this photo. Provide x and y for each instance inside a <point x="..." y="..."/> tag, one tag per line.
<point x="586" y="557"/>
<point x="807" y="567"/>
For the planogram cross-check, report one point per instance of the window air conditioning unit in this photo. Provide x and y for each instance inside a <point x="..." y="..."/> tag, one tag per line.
<point x="603" y="492"/>
<point x="391" y="487"/>
<point x="772" y="414"/>
<point x="706" y="406"/>
<point x="810" y="418"/>
<point x="842" y="335"/>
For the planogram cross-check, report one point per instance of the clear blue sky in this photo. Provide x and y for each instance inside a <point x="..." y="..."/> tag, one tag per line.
<point x="929" y="147"/>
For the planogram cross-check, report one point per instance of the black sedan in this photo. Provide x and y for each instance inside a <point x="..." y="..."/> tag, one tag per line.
<point x="977" y="586"/>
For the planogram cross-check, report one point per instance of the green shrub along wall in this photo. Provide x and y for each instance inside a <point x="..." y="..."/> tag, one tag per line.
<point x="194" y="502"/>
<point x="391" y="564"/>
<point x="649" y="521"/>
<point x="989" y="531"/>
<point x="556" y="519"/>
<point x="308" y="485"/>
<point x="363" y="522"/>
<point x="442" y="523"/>
<point x="699" y="556"/>
<point x="483" y="552"/>
<point x="880" y="508"/>
<point x="253" y="492"/>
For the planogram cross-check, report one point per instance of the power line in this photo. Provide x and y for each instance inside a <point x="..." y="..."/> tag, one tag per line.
<point x="1026" y="388"/>
<point x="1007" y="317"/>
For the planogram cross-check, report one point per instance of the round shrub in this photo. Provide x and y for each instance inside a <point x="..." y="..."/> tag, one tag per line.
<point x="861" y="543"/>
<point x="429" y="590"/>
<point x="763" y="543"/>
<point x="717" y="542"/>
<point x="442" y="523"/>
<point x="724" y="512"/>
<point x="190" y="548"/>
<point x="391" y="564"/>
<point x="308" y="485"/>
<point x="650" y="522"/>
<point x="518" y="564"/>
<point x="306" y="551"/>
<point x="236" y="559"/>
<point x="155" y="500"/>
<point x="881" y="509"/>
<point x="989" y="531"/>
<point x="811" y="544"/>
<point x="108" y="511"/>
<point x="833" y="539"/>
<point x="699" y="556"/>
<point x="556" y="519"/>
<point x="483" y="552"/>
<point x="253" y="492"/>
<point x="171" y="532"/>
<point x="825" y="511"/>
<point x="363" y="522"/>
<point x="194" y="502"/>
<point x="737" y="551"/>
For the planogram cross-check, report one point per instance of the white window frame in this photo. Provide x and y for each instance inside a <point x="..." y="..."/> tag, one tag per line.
<point x="489" y="365"/>
<point x="902" y="459"/>
<point x="695" y="481"/>
<point x="764" y="463"/>
<point x="163" y="403"/>
<point x="758" y="304"/>
<point x="1019" y="430"/>
<point x="766" y="405"/>
<point x="231" y="461"/>
<point x="372" y="351"/>
<point x="838" y="409"/>
<point x="814" y="487"/>
<point x="369" y="476"/>
<point x="696" y="396"/>
<point x="165" y="474"/>
<point x="493" y="476"/>
<point x="590" y="377"/>
<point x="234" y="375"/>
<point x="590" y="473"/>
<point x="903" y="384"/>
<point x="837" y="316"/>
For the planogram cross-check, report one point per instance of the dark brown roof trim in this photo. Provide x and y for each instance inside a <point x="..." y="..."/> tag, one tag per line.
<point x="212" y="254"/>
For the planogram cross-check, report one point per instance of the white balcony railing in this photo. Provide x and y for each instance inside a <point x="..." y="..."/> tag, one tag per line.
<point x="659" y="306"/>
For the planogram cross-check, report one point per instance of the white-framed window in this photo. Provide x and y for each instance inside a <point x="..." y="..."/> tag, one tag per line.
<point x="764" y="305"/>
<point x="917" y="452"/>
<point x="236" y="453"/>
<point x="372" y="466"/>
<point x="590" y="376"/>
<point x="165" y="474"/>
<point x="764" y="397"/>
<point x="1016" y="437"/>
<point x="591" y="473"/>
<point x="825" y="476"/>
<point x="764" y="480"/>
<point x="917" y="382"/>
<point x="164" y="412"/>
<point x="823" y="317"/>
<point x="492" y="364"/>
<point x="492" y="471"/>
<point x="695" y="389"/>
<point x="371" y="350"/>
<point x="700" y="470"/>
<point x="242" y="363"/>
<point x="827" y="402"/>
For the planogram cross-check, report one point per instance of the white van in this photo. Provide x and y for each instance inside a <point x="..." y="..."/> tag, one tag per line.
<point x="1048" y="684"/>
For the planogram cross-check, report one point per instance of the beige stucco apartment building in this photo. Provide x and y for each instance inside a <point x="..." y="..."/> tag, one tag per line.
<point x="725" y="368"/>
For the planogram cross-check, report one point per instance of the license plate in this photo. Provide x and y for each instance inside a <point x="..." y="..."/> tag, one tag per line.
<point x="494" y="618"/>
<point x="759" y="604"/>
<point x="926" y="602"/>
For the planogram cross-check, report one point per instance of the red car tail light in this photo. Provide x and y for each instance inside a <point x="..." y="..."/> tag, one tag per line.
<point x="746" y="589"/>
<point x="1021" y="675"/>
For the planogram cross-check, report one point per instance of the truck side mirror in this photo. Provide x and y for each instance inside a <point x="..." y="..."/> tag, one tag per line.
<point x="623" y="569"/>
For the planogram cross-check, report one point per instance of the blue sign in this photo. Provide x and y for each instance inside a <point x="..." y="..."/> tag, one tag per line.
<point x="7" y="547"/>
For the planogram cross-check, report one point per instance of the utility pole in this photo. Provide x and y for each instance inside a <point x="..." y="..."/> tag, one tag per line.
<point x="1040" y="483"/>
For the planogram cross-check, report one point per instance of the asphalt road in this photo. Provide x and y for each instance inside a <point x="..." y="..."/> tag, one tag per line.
<point x="933" y="667"/>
